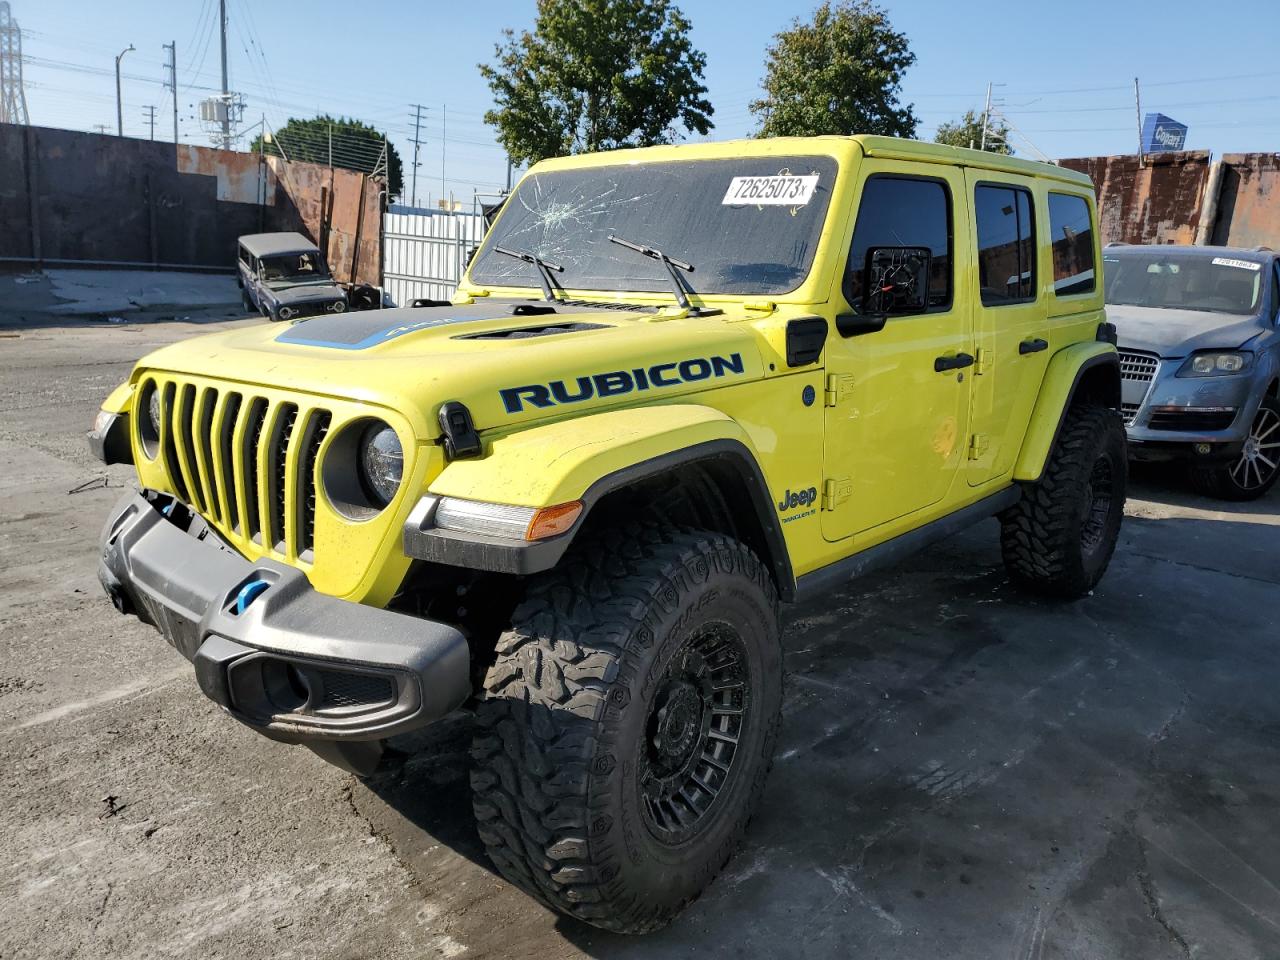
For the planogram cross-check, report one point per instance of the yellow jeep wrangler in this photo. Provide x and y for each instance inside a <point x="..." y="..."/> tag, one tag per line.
<point x="677" y="386"/>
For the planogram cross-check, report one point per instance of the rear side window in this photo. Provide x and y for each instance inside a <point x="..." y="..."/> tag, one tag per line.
<point x="1071" y="233"/>
<point x="902" y="212"/>
<point x="1006" y="244"/>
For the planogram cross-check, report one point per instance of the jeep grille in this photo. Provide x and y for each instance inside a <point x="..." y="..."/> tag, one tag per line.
<point x="246" y="463"/>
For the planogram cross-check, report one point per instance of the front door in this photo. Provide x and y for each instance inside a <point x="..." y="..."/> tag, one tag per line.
<point x="898" y="398"/>
<point x="1010" y="321"/>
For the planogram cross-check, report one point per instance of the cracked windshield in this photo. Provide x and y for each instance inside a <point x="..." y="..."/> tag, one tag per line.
<point x="748" y="226"/>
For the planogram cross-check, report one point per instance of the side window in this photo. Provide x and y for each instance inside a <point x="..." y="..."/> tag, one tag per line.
<point x="1006" y="244"/>
<point x="1071" y="236"/>
<point x="902" y="212"/>
<point x="1275" y="291"/>
<point x="244" y="255"/>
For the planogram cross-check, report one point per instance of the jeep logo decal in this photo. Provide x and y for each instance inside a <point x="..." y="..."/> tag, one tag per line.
<point x="617" y="382"/>
<point x="797" y="498"/>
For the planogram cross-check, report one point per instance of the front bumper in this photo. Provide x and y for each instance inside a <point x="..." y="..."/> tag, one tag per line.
<point x="1171" y="417"/>
<point x="295" y="664"/>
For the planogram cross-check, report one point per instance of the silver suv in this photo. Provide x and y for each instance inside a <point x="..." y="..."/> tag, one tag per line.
<point x="1200" y="360"/>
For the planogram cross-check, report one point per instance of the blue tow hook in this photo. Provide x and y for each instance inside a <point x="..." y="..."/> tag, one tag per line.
<point x="249" y="593"/>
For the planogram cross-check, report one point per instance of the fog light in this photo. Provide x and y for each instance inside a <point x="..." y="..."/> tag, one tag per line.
<point x="1204" y="448"/>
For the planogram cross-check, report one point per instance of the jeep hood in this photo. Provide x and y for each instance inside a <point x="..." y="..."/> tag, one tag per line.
<point x="1177" y="333"/>
<point x="508" y="362"/>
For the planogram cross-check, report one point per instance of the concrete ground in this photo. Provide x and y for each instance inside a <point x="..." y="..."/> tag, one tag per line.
<point x="963" y="773"/>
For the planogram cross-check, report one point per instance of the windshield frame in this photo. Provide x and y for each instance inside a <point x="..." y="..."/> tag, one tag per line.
<point x="1156" y="254"/>
<point x="813" y="285"/>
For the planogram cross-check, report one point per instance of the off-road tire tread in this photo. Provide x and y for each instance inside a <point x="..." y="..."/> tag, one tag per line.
<point x="576" y="631"/>
<point x="1034" y="533"/>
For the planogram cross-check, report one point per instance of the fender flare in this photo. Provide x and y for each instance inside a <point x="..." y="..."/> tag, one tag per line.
<point x="1057" y="393"/>
<point x="596" y="456"/>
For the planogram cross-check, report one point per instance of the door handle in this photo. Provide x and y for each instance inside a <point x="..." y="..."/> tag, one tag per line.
<point x="958" y="362"/>
<point x="1033" y="346"/>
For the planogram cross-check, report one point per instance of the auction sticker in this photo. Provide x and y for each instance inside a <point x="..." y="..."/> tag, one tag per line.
<point x="781" y="191"/>
<point x="1238" y="264"/>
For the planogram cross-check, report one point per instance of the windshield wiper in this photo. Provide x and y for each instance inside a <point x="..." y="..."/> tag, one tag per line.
<point x="677" y="281"/>
<point x="544" y="268"/>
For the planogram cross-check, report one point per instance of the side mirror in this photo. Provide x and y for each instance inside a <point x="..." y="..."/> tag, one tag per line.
<point x="895" y="281"/>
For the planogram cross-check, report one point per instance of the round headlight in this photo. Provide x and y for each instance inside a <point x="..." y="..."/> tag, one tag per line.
<point x="338" y="306"/>
<point x="284" y="313"/>
<point x="381" y="462"/>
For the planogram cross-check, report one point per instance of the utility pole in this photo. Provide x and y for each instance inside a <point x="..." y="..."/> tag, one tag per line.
<point x="102" y="128"/>
<point x="986" y="118"/>
<point x="150" y="111"/>
<point x="226" y="93"/>
<point x="1137" y="103"/>
<point x="13" y="98"/>
<point x="173" y="82"/>
<point x="119" y="106"/>
<point x="444" y="194"/>
<point x="417" y="143"/>
<point x="508" y="173"/>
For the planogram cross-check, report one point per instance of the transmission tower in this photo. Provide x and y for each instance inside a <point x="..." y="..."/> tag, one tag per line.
<point x="13" y="99"/>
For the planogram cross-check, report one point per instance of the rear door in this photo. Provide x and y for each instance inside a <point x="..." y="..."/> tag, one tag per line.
<point x="1011" y="326"/>
<point x="897" y="418"/>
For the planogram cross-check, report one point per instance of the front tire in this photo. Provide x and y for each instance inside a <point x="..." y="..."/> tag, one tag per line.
<point x="628" y="724"/>
<point x="1058" y="539"/>
<point x="1254" y="472"/>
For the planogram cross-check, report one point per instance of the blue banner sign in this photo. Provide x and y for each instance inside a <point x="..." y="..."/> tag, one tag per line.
<point x="1161" y="134"/>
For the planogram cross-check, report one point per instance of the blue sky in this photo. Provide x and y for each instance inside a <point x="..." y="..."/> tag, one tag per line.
<point x="1067" y="83"/>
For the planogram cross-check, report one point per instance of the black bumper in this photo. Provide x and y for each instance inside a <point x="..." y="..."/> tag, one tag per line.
<point x="293" y="663"/>
<point x="1164" y="451"/>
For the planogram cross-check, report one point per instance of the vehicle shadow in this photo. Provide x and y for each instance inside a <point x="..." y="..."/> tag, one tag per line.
<point x="948" y="749"/>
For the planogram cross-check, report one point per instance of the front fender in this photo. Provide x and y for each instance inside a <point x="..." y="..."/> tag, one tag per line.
<point x="584" y="459"/>
<point x="558" y="462"/>
<point x="1067" y="368"/>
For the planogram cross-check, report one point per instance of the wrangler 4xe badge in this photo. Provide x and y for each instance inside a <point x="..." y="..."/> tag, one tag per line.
<point x="617" y="382"/>
<point x="800" y="500"/>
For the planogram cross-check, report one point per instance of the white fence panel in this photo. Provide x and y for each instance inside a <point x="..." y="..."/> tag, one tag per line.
<point x="425" y="252"/>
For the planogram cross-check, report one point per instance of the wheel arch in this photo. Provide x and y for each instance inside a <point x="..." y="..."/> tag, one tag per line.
<point x="1084" y="373"/>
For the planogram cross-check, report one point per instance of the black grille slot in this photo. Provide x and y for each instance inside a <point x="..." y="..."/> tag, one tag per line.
<point x="1195" y="421"/>
<point x="1130" y="412"/>
<point x="354" y="689"/>
<point x="285" y="420"/>
<point x="186" y="413"/>
<point x="317" y="428"/>
<point x="226" y="436"/>
<point x="204" y="452"/>
<point x="169" y="417"/>
<point x="253" y="434"/>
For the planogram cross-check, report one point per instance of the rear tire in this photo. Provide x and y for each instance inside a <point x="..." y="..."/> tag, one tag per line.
<point x="1254" y="472"/>
<point x="628" y="724"/>
<point x="1058" y="539"/>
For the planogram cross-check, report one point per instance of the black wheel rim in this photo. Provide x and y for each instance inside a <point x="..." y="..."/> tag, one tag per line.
<point x="689" y="752"/>
<point x="1098" y="496"/>
<point x="1260" y="456"/>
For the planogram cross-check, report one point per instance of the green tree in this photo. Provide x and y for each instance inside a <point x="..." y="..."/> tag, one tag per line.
<point x="839" y="73"/>
<point x="349" y="143"/>
<point x="967" y="132"/>
<point x="596" y="75"/>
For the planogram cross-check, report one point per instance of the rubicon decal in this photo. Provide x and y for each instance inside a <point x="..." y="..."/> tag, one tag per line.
<point x="617" y="382"/>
